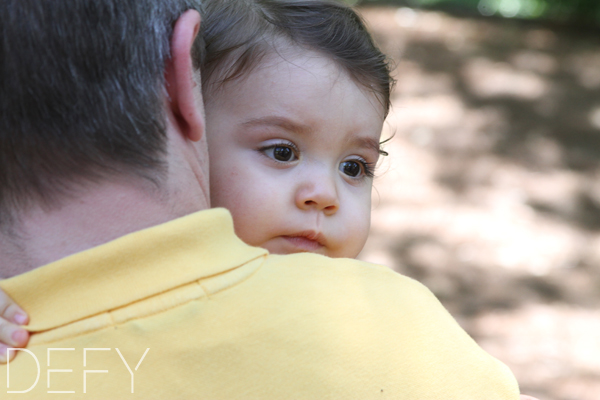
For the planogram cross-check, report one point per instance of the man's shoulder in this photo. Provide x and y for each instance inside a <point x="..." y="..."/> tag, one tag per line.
<point x="339" y="271"/>
<point x="352" y="281"/>
<point x="316" y="263"/>
<point x="351" y="312"/>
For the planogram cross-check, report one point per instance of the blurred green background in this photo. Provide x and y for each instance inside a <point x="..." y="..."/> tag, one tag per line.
<point x="582" y="13"/>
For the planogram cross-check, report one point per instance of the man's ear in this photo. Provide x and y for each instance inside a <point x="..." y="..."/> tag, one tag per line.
<point x="182" y="83"/>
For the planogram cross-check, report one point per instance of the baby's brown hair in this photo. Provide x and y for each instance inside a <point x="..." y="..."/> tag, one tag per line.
<point x="239" y="33"/>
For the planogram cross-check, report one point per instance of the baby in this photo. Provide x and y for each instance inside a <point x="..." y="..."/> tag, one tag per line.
<point x="295" y="95"/>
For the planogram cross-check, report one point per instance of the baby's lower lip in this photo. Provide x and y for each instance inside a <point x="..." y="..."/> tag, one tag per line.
<point x="302" y="243"/>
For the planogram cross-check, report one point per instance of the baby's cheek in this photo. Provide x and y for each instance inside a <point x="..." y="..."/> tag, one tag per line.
<point x="230" y="189"/>
<point x="355" y="233"/>
<point x="252" y="221"/>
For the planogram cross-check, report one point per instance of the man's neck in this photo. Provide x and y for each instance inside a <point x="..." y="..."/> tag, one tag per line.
<point x="98" y="215"/>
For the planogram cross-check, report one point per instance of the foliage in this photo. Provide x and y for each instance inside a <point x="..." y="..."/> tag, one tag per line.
<point x="577" y="12"/>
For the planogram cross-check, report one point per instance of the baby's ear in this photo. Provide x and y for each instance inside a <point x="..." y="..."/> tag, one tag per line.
<point x="182" y="81"/>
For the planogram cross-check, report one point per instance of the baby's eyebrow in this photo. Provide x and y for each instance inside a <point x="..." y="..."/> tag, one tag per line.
<point x="287" y="124"/>
<point x="280" y="122"/>
<point x="367" y="143"/>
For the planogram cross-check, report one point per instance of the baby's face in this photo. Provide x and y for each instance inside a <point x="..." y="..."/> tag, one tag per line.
<point x="292" y="149"/>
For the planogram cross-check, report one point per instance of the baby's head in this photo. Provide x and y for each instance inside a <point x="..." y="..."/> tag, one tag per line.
<point x="296" y="94"/>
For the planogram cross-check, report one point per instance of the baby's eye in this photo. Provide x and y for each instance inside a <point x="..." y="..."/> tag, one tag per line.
<point x="351" y="168"/>
<point x="357" y="168"/>
<point x="282" y="152"/>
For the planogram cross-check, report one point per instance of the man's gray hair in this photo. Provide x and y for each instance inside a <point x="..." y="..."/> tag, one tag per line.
<point x="81" y="93"/>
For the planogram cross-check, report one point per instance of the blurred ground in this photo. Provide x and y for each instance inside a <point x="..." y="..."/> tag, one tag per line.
<point x="491" y="193"/>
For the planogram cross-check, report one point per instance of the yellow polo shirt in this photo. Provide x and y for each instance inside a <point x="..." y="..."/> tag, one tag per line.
<point x="185" y="310"/>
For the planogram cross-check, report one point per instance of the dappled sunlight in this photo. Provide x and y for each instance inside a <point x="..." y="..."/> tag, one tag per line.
<point x="594" y="117"/>
<point x="586" y="68"/>
<point x="535" y="61"/>
<point x="554" y="347"/>
<point x="485" y="78"/>
<point x="491" y="193"/>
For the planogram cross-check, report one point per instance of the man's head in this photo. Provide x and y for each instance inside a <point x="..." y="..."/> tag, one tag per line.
<point x="82" y="94"/>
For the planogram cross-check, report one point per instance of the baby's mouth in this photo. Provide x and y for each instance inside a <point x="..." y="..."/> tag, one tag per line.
<point x="306" y="241"/>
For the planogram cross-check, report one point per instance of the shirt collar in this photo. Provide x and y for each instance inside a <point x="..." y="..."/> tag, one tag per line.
<point x="130" y="268"/>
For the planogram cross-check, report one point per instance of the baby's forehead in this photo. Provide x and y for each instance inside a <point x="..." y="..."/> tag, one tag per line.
<point x="304" y="96"/>
<point x="283" y="60"/>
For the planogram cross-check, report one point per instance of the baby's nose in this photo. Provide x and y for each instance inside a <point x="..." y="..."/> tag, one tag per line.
<point x="319" y="194"/>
